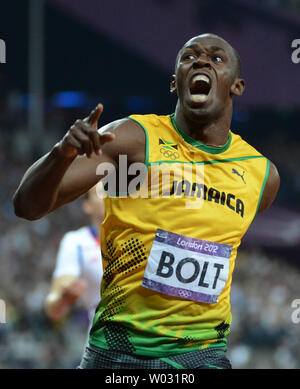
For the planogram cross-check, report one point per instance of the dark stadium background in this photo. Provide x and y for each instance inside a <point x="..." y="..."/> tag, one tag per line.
<point x="122" y="53"/>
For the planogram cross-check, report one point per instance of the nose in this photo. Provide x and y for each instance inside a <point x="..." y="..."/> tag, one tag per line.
<point x="202" y="62"/>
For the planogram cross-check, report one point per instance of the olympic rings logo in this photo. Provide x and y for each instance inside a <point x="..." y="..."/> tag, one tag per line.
<point x="169" y="154"/>
<point x="184" y="293"/>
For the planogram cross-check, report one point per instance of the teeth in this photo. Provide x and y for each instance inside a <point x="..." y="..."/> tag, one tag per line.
<point x="199" y="98"/>
<point x="201" y="77"/>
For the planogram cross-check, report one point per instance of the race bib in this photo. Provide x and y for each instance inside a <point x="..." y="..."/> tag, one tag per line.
<point x="185" y="267"/>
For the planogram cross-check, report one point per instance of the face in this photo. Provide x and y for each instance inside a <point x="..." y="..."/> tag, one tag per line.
<point x="94" y="204"/>
<point x="206" y="77"/>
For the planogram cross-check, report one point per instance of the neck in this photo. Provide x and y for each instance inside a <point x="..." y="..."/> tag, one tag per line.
<point x="212" y="133"/>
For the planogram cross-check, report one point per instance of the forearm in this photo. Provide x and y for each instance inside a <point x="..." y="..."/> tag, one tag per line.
<point x="38" y="190"/>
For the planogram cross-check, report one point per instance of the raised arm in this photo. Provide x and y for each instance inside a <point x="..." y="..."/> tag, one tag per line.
<point x="69" y="169"/>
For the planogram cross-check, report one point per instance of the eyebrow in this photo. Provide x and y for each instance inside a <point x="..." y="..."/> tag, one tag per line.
<point x="211" y="48"/>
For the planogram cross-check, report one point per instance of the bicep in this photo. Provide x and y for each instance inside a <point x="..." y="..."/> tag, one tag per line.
<point x="84" y="172"/>
<point x="271" y="188"/>
<point x="79" y="178"/>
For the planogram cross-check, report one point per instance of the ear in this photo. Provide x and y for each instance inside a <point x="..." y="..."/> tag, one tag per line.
<point x="173" y="88"/>
<point x="238" y="87"/>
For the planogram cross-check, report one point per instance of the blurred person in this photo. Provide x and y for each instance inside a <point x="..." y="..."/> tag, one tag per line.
<point x="78" y="271"/>
<point x="165" y="293"/>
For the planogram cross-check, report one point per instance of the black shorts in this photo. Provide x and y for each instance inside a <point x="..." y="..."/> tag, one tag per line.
<point x="209" y="358"/>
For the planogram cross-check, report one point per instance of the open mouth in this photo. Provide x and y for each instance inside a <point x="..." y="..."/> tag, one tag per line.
<point x="200" y="87"/>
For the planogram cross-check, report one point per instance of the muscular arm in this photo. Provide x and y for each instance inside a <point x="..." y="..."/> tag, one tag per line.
<point x="271" y="188"/>
<point x="63" y="174"/>
<point x="81" y="176"/>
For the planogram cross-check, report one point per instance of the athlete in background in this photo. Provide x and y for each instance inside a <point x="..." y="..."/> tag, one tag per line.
<point x="165" y="294"/>
<point x="78" y="271"/>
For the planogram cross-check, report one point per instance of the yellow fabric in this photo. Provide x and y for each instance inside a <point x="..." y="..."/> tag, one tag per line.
<point x="139" y="320"/>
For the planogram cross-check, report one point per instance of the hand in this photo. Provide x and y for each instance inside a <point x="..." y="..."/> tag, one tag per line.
<point x="74" y="290"/>
<point x="83" y="137"/>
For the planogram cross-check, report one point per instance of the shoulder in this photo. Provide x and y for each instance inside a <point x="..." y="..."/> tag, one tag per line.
<point x="131" y="135"/>
<point x="272" y="179"/>
<point x="130" y="139"/>
<point x="149" y="119"/>
<point x="135" y="123"/>
<point x="271" y="187"/>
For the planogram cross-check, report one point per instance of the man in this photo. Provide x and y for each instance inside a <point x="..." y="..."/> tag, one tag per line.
<point x="78" y="271"/>
<point x="167" y="264"/>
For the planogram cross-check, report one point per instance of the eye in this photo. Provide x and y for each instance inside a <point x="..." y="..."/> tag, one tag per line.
<point x="218" y="58"/>
<point x="188" y="57"/>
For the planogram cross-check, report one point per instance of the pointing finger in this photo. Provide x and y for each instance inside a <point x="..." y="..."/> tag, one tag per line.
<point x="94" y="116"/>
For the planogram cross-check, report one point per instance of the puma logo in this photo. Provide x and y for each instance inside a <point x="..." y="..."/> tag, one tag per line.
<point x="234" y="171"/>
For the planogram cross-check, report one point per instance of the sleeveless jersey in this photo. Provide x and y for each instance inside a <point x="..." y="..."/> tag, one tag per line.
<point x="169" y="246"/>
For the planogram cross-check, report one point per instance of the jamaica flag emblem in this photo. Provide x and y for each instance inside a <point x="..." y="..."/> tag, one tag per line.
<point x="168" y="149"/>
<point x="168" y="145"/>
